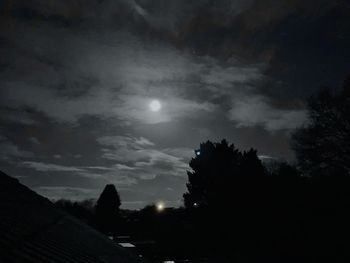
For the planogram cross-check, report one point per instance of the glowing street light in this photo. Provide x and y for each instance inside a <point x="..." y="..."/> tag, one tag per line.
<point x="197" y="152"/>
<point x="160" y="206"/>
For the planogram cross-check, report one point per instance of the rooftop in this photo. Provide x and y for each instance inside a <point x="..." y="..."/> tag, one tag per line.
<point x="33" y="230"/>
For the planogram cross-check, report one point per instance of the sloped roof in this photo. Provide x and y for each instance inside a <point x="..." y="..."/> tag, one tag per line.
<point x="33" y="230"/>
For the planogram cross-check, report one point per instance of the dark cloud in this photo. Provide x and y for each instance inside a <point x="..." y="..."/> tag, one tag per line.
<point x="77" y="79"/>
<point x="10" y="150"/>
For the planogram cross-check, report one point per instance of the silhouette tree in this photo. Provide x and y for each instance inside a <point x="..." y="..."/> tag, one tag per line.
<point x="218" y="169"/>
<point x="107" y="209"/>
<point x="323" y="146"/>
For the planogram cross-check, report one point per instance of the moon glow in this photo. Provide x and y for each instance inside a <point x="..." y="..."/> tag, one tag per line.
<point x="155" y="105"/>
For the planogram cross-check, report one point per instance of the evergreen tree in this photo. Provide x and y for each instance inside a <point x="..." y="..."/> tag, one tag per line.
<point x="107" y="209"/>
<point x="219" y="170"/>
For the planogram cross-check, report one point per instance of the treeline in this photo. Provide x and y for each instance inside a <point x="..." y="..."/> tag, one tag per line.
<point x="102" y="214"/>
<point x="259" y="214"/>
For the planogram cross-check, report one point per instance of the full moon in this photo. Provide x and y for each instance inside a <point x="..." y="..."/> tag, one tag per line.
<point x="155" y="105"/>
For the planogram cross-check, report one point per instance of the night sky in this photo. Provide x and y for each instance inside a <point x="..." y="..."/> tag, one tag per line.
<point x="122" y="91"/>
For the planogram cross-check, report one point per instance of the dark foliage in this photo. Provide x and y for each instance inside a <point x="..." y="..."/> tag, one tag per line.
<point x="259" y="214"/>
<point x="322" y="146"/>
<point x="216" y="170"/>
<point x="107" y="209"/>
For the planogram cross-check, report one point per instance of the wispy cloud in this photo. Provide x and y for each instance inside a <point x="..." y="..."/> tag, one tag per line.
<point x="144" y="159"/>
<point x="67" y="192"/>
<point x="112" y="174"/>
<point x="118" y="77"/>
<point x="79" y="85"/>
<point x="256" y="110"/>
<point x="49" y="167"/>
